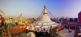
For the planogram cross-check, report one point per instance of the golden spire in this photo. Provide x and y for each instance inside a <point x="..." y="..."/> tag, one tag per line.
<point x="45" y="10"/>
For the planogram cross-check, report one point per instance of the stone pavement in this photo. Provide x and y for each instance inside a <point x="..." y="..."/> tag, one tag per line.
<point x="65" y="33"/>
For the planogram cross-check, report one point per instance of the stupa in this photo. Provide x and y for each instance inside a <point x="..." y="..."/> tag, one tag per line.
<point x="44" y="22"/>
<point x="45" y="19"/>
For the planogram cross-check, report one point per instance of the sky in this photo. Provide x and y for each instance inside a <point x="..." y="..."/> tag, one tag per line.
<point x="34" y="8"/>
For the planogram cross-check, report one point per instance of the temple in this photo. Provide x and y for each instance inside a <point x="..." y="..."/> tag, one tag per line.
<point x="45" y="17"/>
<point x="43" y="22"/>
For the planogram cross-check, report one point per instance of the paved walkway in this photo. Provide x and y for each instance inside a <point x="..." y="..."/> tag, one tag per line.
<point x="65" y="33"/>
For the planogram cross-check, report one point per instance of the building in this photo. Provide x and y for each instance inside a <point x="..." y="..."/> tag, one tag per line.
<point x="43" y="22"/>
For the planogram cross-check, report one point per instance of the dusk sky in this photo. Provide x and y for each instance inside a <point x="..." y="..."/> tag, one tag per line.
<point x="33" y="8"/>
